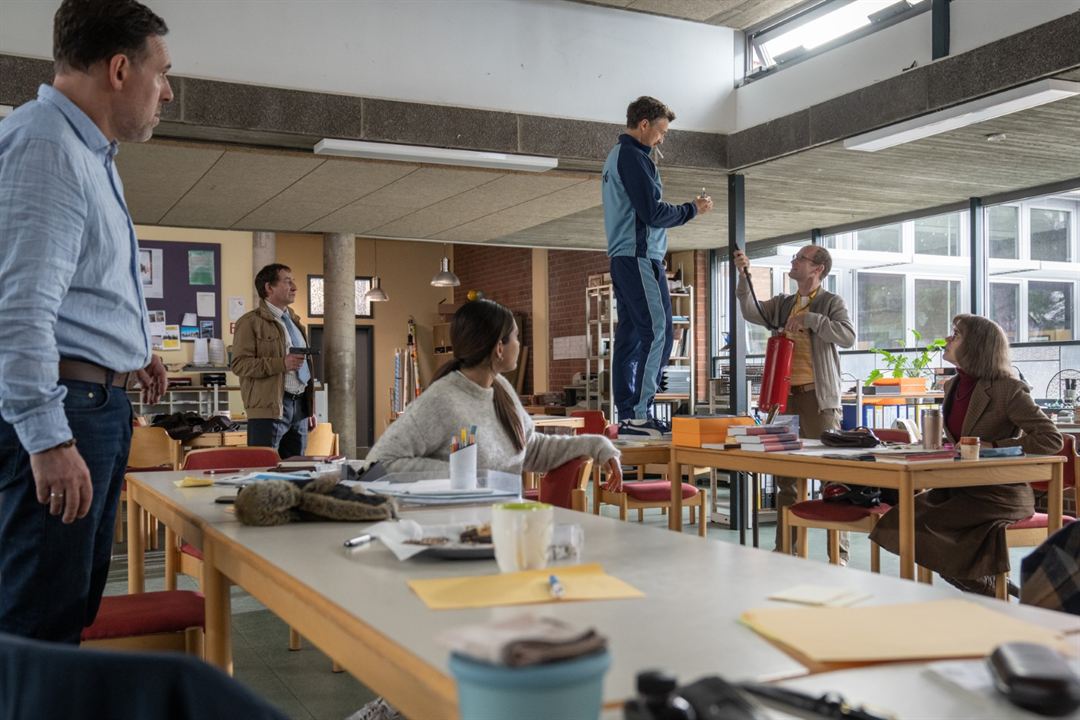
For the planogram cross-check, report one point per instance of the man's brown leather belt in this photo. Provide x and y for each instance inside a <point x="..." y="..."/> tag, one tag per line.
<point x="89" y="372"/>
<point x="799" y="389"/>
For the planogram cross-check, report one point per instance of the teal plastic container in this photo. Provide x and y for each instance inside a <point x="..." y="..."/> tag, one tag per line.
<point x="571" y="690"/>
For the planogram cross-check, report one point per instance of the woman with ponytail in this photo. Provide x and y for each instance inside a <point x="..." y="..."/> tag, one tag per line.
<point x="471" y="390"/>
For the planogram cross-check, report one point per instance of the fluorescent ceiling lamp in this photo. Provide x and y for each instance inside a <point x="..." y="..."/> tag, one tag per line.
<point x="5" y="110"/>
<point x="432" y="155"/>
<point x="969" y="113"/>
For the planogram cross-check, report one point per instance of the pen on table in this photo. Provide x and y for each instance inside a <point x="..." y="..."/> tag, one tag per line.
<point x="555" y="587"/>
<point x="359" y="540"/>
<point x="221" y="471"/>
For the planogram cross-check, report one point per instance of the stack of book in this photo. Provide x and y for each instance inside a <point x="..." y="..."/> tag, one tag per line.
<point x="764" y="438"/>
<point x="912" y="453"/>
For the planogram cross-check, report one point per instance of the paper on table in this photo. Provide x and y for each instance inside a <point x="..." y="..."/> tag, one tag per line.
<point x="581" y="582"/>
<point x="192" y="481"/>
<point x="820" y="595"/>
<point x="881" y="633"/>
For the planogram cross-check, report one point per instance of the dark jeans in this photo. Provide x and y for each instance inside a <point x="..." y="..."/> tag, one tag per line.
<point x="52" y="575"/>
<point x="288" y="435"/>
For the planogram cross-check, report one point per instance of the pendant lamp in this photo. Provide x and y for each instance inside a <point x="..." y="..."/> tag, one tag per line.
<point x="375" y="293"/>
<point x="445" y="278"/>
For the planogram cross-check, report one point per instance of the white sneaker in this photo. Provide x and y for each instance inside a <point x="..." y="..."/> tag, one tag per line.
<point x="377" y="709"/>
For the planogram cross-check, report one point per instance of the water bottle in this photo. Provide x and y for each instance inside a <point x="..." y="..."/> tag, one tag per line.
<point x="932" y="429"/>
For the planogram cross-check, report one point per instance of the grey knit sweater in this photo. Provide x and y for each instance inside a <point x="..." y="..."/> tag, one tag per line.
<point x="419" y="440"/>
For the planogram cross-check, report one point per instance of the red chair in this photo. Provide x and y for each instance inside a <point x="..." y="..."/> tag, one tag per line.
<point x="835" y="518"/>
<point x="565" y="485"/>
<point x="186" y="558"/>
<point x="231" y="457"/>
<point x="1033" y="531"/>
<point x="155" y="621"/>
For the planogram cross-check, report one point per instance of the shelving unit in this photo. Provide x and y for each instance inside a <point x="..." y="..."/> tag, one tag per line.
<point x="601" y="319"/>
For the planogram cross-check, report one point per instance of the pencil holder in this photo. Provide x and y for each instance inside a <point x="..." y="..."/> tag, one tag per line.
<point x="463" y="468"/>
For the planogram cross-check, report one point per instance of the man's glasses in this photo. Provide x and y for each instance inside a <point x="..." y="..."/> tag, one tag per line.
<point x="797" y="258"/>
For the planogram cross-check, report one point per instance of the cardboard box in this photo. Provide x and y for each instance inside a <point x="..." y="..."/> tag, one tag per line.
<point x="689" y="431"/>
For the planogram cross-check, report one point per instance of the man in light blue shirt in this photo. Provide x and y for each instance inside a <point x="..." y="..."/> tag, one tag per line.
<point x="72" y="310"/>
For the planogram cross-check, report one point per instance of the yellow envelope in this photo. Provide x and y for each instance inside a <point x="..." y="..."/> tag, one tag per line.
<point x="888" y="633"/>
<point x="192" y="481"/>
<point x="580" y="582"/>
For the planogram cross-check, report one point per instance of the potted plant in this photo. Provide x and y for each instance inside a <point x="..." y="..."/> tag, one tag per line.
<point x="899" y="366"/>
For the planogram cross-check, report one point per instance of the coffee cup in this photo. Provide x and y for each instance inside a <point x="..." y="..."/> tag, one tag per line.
<point x="521" y="532"/>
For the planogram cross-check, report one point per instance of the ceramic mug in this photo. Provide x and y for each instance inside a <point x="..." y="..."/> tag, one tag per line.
<point x="521" y="532"/>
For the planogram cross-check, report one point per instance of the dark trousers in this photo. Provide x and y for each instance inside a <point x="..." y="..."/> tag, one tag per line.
<point x="288" y="435"/>
<point x="52" y="575"/>
<point x="643" y="338"/>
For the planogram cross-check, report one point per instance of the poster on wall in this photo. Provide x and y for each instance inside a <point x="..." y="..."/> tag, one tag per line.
<point x="205" y="304"/>
<point x="171" y="339"/>
<point x="157" y="328"/>
<point x="200" y="267"/>
<point x="152" y="272"/>
<point x="189" y="333"/>
<point x="206" y="328"/>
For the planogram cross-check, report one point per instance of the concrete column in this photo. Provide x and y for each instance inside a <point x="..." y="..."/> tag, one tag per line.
<point x="339" y="335"/>
<point x="263" y="252"/>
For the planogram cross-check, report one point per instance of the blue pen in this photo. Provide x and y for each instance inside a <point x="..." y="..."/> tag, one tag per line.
<point x="555" y="587"/>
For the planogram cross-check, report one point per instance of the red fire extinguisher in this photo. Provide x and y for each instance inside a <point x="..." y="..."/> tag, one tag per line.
<point x="776" y="377"/>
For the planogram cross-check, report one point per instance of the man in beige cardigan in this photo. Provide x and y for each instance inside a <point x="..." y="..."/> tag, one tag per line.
<point x="818" y="322"/>
<point x="276" y="384"/>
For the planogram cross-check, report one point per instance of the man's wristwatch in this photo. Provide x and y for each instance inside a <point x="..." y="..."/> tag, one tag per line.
<point x="70" y="442"/>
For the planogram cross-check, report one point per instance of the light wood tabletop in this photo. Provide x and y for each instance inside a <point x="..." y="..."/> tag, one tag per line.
<point x="905" y="477"/>
<point x="355" y="606"/>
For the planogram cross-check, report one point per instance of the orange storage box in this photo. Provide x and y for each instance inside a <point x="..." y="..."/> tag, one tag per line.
<point x="692" y="431"/>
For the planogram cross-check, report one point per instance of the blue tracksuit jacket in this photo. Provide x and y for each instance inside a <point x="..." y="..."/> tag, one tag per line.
<point x="635" y="217"/>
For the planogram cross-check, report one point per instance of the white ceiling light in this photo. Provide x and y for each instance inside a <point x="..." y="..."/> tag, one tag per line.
<point x="445" y="278"/>
<point x="5" y="110"/>
<point x="432" y="155"/>
<point x="969" y="113"/>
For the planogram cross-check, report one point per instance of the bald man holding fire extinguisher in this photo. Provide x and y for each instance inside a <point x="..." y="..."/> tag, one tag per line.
<point x="817" y="322"/>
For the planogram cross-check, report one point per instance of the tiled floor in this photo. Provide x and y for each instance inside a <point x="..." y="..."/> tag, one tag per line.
<point x="301" y="683"/>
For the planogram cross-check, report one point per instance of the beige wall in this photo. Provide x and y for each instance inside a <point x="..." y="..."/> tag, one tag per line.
<point x="406" y="269"/>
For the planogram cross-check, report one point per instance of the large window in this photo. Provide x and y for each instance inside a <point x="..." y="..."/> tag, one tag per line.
<point x="882" y="239"/>
<point x="1050" y="234"/>
<point x="937" y="302"/>
<point x="880" y="300"/>
<point x="816" y="27"/>
<point x="938" y="235"/>
<point x="1050" y="310"/>
<point x="1005" y="308"/>
<point x="1003" y="231"/>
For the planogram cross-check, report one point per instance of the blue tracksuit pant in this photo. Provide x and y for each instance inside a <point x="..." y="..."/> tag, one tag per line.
<point x="643" y="337"/>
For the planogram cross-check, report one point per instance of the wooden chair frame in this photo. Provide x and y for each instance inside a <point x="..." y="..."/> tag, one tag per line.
<point x="625" y="503"/>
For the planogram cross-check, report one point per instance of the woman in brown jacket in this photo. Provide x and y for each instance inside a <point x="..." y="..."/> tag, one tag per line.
<point x="960" y="532"/>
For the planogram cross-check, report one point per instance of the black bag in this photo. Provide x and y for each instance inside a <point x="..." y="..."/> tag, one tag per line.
<point x="860" y="437"/>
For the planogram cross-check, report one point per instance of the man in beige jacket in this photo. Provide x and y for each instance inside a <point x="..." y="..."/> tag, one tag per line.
<point x="276" y="384"/>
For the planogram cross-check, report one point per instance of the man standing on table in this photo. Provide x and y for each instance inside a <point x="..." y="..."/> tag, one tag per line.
<point x="75" y="322"/>
<point x="276" y="385"/>
<point x="636" y="220"/>
<point x="818" y="322"/>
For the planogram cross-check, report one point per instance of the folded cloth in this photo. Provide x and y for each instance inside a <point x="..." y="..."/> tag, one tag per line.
<point x="523" y="640"/>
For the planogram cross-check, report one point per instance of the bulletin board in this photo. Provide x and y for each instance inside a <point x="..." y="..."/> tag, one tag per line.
<point x="178" y="271"/>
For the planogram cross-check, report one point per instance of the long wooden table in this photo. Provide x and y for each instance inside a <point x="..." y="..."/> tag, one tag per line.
<point x="355" y="605"/>
<point x="907" y="478"/>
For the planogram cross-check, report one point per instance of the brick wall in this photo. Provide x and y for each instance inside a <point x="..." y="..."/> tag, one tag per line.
<point x="503" y="275"/>
<point x="701" y="329"/>
<point x="568" y="271"/>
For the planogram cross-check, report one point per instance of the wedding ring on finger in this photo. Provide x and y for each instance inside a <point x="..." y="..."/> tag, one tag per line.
<point x="56" y="494"/>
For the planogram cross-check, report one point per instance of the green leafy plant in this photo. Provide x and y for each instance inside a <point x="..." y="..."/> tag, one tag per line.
<point x="900" y="365"/>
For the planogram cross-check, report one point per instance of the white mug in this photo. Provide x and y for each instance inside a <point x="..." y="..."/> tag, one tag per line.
<point x="521" y="532"/>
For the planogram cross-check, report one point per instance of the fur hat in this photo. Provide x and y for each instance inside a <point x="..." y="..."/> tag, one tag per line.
<point x="276" y="502"/>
